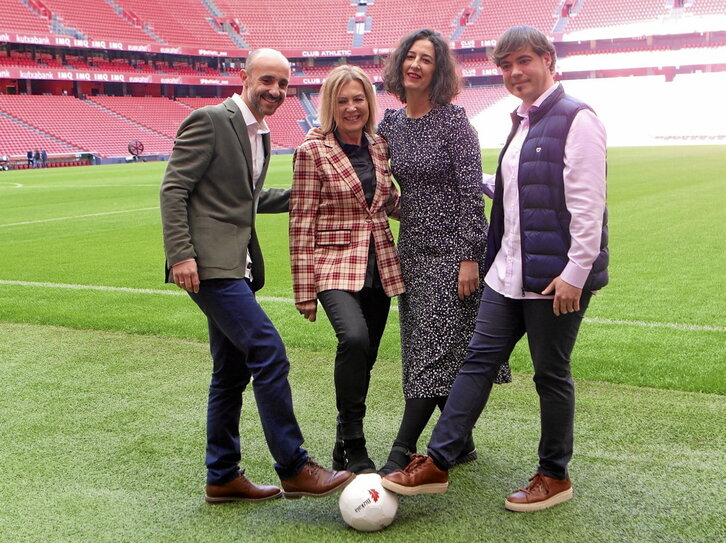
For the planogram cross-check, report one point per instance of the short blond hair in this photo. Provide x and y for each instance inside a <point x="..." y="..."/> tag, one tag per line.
<point x="338" y="77"/>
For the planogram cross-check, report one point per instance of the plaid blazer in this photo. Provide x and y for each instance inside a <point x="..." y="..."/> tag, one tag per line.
<point x="331" y="224"/>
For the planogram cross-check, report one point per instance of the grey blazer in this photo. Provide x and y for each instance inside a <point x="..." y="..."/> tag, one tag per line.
<point x="208" y="204"/>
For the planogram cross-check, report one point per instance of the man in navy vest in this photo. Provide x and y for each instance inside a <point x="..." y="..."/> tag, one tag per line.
<point x="546" y="254"/>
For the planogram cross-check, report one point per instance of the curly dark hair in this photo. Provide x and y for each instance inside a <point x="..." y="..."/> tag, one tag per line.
<point x="446" y="83"/>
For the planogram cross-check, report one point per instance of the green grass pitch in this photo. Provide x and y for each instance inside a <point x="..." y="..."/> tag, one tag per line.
<point x="104" y="369"/>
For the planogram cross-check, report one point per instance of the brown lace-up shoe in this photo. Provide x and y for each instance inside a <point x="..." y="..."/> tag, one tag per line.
<point x="541" y="492"/>
<point x="315" y="481"/>
<point x="241" y="489"/>
<point x="421" y="476"/>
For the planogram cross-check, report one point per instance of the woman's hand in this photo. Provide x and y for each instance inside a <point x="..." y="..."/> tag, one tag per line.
<point x="468" y="278"/>
<point x="308" y="309"/>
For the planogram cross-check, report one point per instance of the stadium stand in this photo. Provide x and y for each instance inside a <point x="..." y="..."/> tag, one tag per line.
<point x="196" y="103"/>
<point x="17" y="16"/>
<point x="679" y="119"/>
<point x="161" y="115"/>
<point x="705" y="7"/>
<point x="493" y="17"/>
<point x="391" y="19"/>
<point x="664" y="48"/>
<point x="16" y="139"/>
<point x="95" y="20"/>
<point x="322" y="24"/>
<point x="82" y="125"/>
<point x="594" y="14"/>
<point x="187" y="23"/>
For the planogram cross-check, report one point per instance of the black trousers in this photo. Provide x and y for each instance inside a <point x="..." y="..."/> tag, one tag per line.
<point x="501" y="323"/>
<point x="358" y="319"/>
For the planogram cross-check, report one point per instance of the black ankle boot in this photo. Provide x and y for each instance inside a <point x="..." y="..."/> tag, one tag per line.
<point x="356" y="456"/>
<point x="399" y="458"/>
<point x="468" y="454"/>
<point x="338" y="456"/>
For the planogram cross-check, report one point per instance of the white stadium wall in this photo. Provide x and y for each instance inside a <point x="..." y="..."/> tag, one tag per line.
<point x="637" y="110"/>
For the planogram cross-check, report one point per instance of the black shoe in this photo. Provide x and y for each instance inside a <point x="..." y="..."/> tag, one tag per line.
<point x="339" y="456"/>
<point x="356" y="456"/>
<point x="399" y="458"/>
<point x="468" y="454"/>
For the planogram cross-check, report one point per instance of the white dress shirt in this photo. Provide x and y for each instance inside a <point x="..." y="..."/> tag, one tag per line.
<point x="255" y="130"/>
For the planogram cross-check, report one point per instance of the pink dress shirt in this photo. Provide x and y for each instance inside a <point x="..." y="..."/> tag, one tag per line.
<point x="585" y="194"/>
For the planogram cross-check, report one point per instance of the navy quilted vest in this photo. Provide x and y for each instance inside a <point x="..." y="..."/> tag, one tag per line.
<point x="543" y="212"/>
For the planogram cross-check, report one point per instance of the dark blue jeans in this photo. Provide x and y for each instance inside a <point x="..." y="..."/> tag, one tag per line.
<point x="501" y="323"/>
<point x="245" y="344"/>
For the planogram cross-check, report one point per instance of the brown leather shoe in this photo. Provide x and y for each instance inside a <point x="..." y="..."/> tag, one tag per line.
<point x="541" y="492"/>
<point x="241" y="489"/>
<point x="315" y="481"/>
<point x="421" y="476"/>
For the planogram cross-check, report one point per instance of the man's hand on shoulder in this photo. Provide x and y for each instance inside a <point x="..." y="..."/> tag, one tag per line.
<point x="185" y="275"/>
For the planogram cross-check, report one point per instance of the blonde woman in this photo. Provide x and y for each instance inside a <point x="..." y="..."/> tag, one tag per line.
<point x="341" y="246"/>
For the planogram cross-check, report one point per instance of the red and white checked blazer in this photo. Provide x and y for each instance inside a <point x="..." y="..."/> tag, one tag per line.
<point x="331" y="224"/>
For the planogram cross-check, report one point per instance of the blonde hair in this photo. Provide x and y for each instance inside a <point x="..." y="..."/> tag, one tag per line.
<point x="338" y="77"/>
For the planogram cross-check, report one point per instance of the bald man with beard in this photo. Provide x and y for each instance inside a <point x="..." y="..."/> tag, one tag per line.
<point x="210" y="195"/>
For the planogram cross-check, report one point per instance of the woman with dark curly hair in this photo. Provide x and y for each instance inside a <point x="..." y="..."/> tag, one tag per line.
<point x="435" y="158"/>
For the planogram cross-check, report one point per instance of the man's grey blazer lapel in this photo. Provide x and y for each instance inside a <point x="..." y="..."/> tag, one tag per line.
<point x="240" y="128"/>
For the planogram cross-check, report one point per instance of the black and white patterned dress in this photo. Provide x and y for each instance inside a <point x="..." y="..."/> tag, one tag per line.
<point x="437" y="163"/>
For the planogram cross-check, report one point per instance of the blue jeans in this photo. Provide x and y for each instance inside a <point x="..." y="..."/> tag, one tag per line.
<point x="245" y="344"/>
<point x="501" y="323"/>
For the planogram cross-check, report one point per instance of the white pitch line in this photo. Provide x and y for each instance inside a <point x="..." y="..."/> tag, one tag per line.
<point x="178" y="292"/>
<point x="673" y="325"/>
<point x="78" y="216"/>
<point x="84" y="186"/>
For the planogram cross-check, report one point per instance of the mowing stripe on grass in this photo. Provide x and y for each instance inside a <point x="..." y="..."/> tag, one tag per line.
<point x="80" y="216"/>
<point x="178" y="292"/>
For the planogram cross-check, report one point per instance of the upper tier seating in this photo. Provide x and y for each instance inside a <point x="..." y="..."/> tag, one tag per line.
<point x="322" y="24"/>
<point x="595" y="14"/>
<point x="96" y="20"/>
<point x="180" y="23"/>
<point x="706" y="7"/>
<point x="393" y="19"/>
<point x="16" y="16"/>
<point x="496" y="16"/>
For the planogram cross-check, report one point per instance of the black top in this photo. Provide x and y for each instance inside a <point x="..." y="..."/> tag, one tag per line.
<point x="360" y="159"/>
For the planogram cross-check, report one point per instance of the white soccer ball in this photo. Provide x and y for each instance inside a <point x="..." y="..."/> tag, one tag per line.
<point x="365" y="505"/>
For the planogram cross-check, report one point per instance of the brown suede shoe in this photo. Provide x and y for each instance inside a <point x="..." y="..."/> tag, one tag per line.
<point x="541" y="492"/>
<point x="421" y="476"/>
<point x="315" y="481"/>
<point x="241" y="489"/>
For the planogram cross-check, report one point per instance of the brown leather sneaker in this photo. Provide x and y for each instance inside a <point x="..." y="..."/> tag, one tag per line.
<point x="315" y="481"/>
<point x="541" y="492"/>
<point x="241" y="489"/>
<point x="421" y="476"/>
